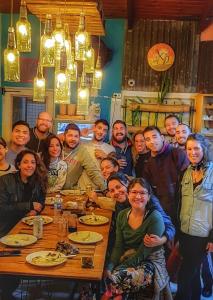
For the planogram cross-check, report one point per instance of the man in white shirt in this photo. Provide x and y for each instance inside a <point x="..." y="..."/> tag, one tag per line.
<point x="97" y="148"/>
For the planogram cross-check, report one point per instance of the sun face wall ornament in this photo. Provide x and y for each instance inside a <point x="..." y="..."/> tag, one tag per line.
<point x="161" y="57"/>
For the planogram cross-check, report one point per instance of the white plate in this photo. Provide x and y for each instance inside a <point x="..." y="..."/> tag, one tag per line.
<point x="46" y="258"/>
<point x="93" y="220"/>
<point x="18" y="240"/>
<point x="72" y="192"/>
<point x="85" y="237"/>
<point x="29" y="220"/>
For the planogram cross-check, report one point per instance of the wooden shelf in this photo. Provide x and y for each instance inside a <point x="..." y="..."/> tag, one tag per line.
<point x="159" y="108"/>
<point x="208" y="106"/>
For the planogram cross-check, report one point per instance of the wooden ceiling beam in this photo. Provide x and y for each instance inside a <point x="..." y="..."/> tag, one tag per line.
<point x="130" y="13"/>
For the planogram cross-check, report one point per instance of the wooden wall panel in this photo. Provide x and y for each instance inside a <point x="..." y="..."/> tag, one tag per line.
<point x="205" y="77"/>
<point x="184" y="39"/>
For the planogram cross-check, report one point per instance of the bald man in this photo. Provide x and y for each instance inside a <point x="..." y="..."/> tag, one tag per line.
<point x="40" y="132"/>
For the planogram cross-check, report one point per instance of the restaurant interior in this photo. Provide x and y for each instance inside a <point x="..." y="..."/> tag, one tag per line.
<point x="81" y="60"/>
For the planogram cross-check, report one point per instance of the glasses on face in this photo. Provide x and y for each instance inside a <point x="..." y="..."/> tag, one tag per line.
<point x="142" y="193"/>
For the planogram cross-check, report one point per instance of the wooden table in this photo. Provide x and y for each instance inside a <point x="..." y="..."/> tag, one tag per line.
<point x="71" y="269"/>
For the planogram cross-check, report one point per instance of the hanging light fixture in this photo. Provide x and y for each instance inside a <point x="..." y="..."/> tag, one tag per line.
<point x="98" y="75"/>
<point x="62" y="91"/>
<point x="59" y="36"/>
<point x="11" y="54"/>
<point x="23" y="30"/>
<point x="90" y="59"/>
<point x="81" y="39"/>
<point x="47" y="45"/>
<point x="39" y="82"/>
<point x="39" y="85"/>
<point x="72" y="66"/>
<point x="83" y="96"/>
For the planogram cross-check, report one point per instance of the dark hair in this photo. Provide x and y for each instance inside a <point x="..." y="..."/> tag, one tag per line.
<point x="72" y="126"/>
<point x="122" y="178"/>
<point x="45" y="153"/>
<point x="40" y="174"/>
<point x="172" y="116"/>
<point x="205" y="144"/>
<point x="151" y="128"/>
<point x="102" y="121"/>
<point x="140" y="131"/>
<point x="119" y="122"/>
<point x="142" y="182"/>
<point x="2" y="142"/>
<point x="185" y="125"/>
<point x="112" y="160"/>
<point x="20" y="122"/>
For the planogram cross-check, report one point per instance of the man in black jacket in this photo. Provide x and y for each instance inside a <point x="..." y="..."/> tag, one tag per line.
<point x="163" y="168"/>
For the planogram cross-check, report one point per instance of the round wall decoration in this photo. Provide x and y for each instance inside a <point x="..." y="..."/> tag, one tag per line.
<point x="161" y="57"/>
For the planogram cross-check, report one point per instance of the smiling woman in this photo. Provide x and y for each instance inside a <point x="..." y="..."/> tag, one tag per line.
<point x="132" y="265"/>
<point x="22" y="192"/>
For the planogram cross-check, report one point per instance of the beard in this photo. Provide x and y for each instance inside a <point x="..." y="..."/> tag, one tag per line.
<point x="120" y="141"/>
<point x="97" y="139"/>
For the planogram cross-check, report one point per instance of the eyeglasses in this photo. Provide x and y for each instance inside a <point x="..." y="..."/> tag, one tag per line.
<point x="135" y="193"/>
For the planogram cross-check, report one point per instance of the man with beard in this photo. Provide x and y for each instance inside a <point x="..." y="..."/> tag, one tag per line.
<point x="40" y="132"/>
<point x="19" y="138"/>
<point x="171" y="122"/>
<point x="181" y="135"/>
<point x="78" y="160"/>
<point x="97" y="148"/>
<point x="122" y="145"/>
<point x="163" y="168"/>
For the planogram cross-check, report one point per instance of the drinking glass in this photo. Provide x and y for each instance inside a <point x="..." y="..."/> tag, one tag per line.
<point x="62" y="229"/>
<point x="72" y="223"/>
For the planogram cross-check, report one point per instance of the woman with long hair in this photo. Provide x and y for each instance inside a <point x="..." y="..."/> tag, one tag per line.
<point x="132" y="265"/>
<point x="21" y="193"/>
<point x="57" y="168"/>
<point x="195" y="216"/>
<point x="109" y="165"/>
<point x="140" y="153"/>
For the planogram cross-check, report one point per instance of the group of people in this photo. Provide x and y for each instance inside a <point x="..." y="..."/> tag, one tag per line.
<point x="162" y="187"/>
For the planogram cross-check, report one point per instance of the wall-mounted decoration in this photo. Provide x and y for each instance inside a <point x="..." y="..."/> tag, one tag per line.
<point x="161" y="57"/>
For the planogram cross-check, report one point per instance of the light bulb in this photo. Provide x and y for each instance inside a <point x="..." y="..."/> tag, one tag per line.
<point x="61" y="77"/>
<point x="98" y="74"/>
<point x="59" y="38"/>
<point x="49" y="43"/>
<point x="22" y="29"/>
<point x="89" y="53"/>
<point x="40" y="82"/>
<point x="11" y="57"/>
<point x="81" y="38"/>
<point x="83" y="94"/>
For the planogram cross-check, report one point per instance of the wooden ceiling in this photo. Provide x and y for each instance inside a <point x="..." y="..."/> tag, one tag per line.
<point x="130" y="9"/>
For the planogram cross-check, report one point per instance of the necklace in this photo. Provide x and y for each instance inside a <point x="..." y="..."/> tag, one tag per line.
<point x="65" y="157"/>
<point x="197" y="175"/>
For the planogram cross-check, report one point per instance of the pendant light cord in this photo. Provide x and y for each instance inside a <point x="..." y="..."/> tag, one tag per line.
<point x="11" y="13"/>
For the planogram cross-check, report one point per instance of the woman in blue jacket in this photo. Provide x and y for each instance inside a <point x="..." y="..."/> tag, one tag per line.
<point x="196" y="216"/>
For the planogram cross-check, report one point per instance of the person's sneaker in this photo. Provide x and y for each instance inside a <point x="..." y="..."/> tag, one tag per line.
<point x="206" y="292"/>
